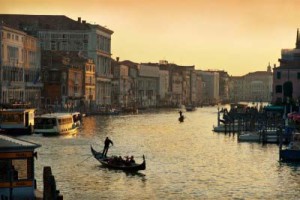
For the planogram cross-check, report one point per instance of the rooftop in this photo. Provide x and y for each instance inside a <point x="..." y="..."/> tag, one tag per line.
<point x="7" y="142"/>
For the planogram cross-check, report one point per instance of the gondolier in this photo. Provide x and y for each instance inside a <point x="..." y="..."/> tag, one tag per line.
<point x="107" y="142"/>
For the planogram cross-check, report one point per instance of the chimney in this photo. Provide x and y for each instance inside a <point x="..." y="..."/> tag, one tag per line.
<point x="83" y="21"/>
<point x="117" y="58"/>
<point x="79" y="20"/>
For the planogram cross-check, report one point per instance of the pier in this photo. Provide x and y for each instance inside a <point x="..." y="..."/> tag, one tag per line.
<point x="252" y="125"/>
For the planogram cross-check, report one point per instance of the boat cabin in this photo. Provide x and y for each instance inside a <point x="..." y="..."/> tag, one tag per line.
<point x="17" y="179"/>
<point x="55" y="124"/>
<point x="17" y="121"/>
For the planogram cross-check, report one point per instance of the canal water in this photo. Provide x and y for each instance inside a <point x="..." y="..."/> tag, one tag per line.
<point x="184" y="160"/>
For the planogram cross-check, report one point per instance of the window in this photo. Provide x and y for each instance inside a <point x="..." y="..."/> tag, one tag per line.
<point x="298" y="75"/>
<point x="278" y="75"/>
<point x="20" y="169"/>
<point x="278" y="88"/>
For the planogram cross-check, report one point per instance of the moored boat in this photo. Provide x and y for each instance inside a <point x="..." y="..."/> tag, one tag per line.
<point x="109" y="163"/>
<point x="16" y="121"/>
<point x="292" y="152"/>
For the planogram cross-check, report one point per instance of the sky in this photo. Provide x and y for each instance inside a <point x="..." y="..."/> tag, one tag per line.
<point x="238" y="36"/>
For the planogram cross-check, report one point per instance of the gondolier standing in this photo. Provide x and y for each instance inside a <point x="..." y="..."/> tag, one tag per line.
<point x="107" y="142"/>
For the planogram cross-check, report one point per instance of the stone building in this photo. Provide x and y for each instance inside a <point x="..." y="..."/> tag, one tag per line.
<point x="63" y="78"/>
<point x="211" y="90"/>
<point x="60" y="33"/>
<point x="19" y="67"/>
<point x="286" y="77"/>
<point x="252" y="87"/>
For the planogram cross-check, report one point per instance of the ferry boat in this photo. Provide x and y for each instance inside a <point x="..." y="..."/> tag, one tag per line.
<point x="55" y="124"/>
<point x="17" y="180"/>
<point x="17" y="121"/>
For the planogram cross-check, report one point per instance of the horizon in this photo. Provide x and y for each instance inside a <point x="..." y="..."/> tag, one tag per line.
<point x="235" y="36"/>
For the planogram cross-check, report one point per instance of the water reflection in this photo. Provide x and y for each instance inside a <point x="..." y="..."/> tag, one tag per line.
<point x="184" y="160"/>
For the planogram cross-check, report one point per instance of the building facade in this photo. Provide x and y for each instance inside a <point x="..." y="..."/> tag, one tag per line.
<point x="60" y="33"/>
<point x="20" y="67"/>
<point x="286" y="76"/>
<point x="211" y="89"/>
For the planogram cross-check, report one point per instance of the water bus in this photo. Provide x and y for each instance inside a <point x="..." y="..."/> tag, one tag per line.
<point x="55" y="124"/>
<point x="17" y="121"/>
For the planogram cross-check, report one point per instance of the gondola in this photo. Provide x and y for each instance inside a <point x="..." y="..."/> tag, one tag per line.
<point x="105" y="161"/>
<point x="181" y="119"/>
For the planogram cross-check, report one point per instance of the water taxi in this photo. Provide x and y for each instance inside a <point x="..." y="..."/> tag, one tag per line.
<point x="17" y="121"/>
<point x="55" y="124"/>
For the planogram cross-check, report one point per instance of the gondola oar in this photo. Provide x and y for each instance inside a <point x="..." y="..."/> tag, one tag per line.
<point x="84" y="160"/>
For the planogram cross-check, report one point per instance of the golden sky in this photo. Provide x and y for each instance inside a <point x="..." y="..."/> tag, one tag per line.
<point x="238" y="36"/>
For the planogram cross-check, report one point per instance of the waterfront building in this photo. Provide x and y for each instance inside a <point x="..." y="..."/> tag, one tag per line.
<point x="182" y="83"/>
<point x="194" y="87"/>
<point x="287" y="75"/>
<point x="200" y="85"/>
<point x="63" y="78"/>
<point x="211" y="89"/>
<point x="252" y="87"/>
<point x="147" y="85"/>
<point x="188" y="83"/>
<point x="223" y="85"/>
<point x="89" y="89"/>
<point x="60" y="33"/>
<point x="164" y="95"/>
<point x="19" y="67"/>
<point x="258" y="86"/>
<point x="236" y="88"/>
<point x="121" y="84"/>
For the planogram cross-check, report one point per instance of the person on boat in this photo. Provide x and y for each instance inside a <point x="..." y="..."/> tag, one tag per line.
<point x="131" y="160"/>
<point x="107" y="142"/>
<point x="180" y="113"/>
<point x="181" y="117"/>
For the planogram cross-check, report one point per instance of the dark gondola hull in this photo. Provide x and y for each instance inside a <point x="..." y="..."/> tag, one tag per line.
<point x="181" y="119"/>
<point x="105" y="162"/>
<point x="289" y="155"/>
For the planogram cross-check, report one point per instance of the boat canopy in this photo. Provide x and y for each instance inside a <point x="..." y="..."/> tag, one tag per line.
<point x="274" y="108"/>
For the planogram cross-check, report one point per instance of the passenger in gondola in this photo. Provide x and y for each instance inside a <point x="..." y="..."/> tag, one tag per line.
<point x="107" y="142"/>
<point x="131" y="160"/>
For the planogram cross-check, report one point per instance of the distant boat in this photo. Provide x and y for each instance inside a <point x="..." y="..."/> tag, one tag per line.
<point x="106" y="111"/>
<point x="55" y="124"/>
<point x="189" y="108"/>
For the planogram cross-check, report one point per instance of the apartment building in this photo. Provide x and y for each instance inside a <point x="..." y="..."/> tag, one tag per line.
<point x="60" y="33"/>
<point x="19" y="67"/>
<point x="286" y="76"/>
